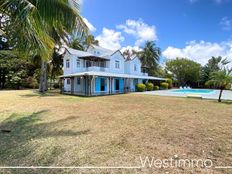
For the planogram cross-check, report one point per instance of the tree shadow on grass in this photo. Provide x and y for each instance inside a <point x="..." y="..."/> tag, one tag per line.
<point x="27" y="132"/>
<point x="36" y="93"/>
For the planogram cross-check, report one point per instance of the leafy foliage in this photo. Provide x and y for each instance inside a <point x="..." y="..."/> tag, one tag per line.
<point x="14" y="71"/>
<point x="156" y="87"/>
<point x="149" y="86"/>
<point x="184" y="70"/>
<point x="140" y="87"/>
<point x="164" y="85"/>
<point x="150" y="56"/>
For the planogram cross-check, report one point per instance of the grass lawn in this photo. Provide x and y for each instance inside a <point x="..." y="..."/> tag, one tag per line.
<point x="59" y="130"/>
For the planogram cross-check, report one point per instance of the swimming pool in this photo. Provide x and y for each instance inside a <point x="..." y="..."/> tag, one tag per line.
<point x="193" y="91"/>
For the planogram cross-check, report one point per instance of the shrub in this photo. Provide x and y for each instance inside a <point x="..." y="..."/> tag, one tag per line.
<point x="149" y="86"/>
<point x="31" y="82"/>
<point x="56" y="85"/>
<point x="169" y="81"/>
<point x="140" y="87"/>
<point x="164" y="85"/>
<point x="156" y="87"/>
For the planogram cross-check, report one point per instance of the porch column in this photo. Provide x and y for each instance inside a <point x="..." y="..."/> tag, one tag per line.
<point x="109" y="85"/>
<point x="72" y="85"/>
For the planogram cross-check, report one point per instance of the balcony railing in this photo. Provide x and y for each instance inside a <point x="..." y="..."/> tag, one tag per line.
<point x="97" y="68"/>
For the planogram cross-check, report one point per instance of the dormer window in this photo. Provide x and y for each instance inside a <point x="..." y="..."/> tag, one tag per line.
<point x="67" y="63"/>
<point x="117" y="64"/>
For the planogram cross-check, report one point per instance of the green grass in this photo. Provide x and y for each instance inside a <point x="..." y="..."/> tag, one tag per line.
<point x="60" y="130"/>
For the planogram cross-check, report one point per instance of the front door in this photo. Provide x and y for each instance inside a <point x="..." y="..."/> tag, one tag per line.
<point x="117" y="84"/>
<point x="102" y="84"/>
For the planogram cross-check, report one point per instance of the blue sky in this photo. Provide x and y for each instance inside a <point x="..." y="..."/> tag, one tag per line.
<point x="197" y="29"/>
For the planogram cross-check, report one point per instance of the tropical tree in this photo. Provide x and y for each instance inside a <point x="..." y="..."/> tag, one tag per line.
<point x="90" y="41"/>
<point x="129" y="53"/>
<point x="150" y="56"/>
<point x="185" y="71"/>
<point x="33" y="23"/>
<point x="214" y="64"/>
<point x="221" y="79"/>
<point x="76" y="44"/>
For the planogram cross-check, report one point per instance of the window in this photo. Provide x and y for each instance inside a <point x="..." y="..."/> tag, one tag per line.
<point x="68" y="81"/>
<point x="79" y="81"/>
<point x="117" y="64"/>
<point x="67" y="63"/>
<point x="135" y="67"/>
<point x="102" y="84"/>
<point x="78" y="63"/>
<point x="88" y="63"/>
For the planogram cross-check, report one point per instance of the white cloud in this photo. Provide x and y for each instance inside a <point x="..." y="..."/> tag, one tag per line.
<point x="110" y="39"/>
<point x="140" y="30"/>
<point x="226" y="23"/>
<point x="200" y="51"/>
<point x="89" y="25"/>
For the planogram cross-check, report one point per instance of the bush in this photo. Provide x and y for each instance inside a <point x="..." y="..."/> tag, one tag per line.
<point x="156" y="87"/>
<point x="140" y="87"/>
<point x="31" y="82"/>
<point x="164" y="85"/>
<point x="56" y="85"/>
<point x="169" y="81"/>
<point x="149" y="86"/>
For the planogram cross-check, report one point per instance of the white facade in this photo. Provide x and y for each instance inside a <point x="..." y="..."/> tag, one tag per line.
<point x="101" y="71"/>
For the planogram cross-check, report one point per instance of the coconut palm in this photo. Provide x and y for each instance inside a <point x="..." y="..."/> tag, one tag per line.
<point x="221" y="79"/>
<point x="150" y="56"/>
<point x="32" y="23"/>
<point x="89" y="41"/>
<point x="76" y="44"/>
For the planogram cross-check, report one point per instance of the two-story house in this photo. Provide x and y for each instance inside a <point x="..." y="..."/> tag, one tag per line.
<point x="99" y="71"/>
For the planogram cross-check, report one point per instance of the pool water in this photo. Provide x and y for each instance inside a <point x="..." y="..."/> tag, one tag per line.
<point x="194" y="91"/>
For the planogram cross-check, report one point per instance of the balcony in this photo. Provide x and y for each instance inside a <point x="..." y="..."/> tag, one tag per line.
<point x="97" y="69"/>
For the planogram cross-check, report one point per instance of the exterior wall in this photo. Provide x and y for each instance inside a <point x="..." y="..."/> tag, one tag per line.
<point x="130" y="67"/>
<point x="125" y="67"/>
<point x="117" y="57"/>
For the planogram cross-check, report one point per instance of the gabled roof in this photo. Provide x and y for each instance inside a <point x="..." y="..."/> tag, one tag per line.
<point x="84" y="54"/>
<point x="78" y="52"/>
<point x="104" y="50"/>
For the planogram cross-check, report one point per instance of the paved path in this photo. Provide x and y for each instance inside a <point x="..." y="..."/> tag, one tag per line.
<point x="226" y="95"/>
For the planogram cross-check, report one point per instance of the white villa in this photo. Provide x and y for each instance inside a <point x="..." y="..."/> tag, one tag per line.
<point x="100" y="71"/>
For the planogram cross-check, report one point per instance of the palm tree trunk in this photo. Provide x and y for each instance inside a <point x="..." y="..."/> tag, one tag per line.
<point x="220" y="95"/>
<point x="43" y="77"/>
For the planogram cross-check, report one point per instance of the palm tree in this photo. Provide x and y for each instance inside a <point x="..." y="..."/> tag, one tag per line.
<point x="128" y="54"/>
<point x="32" y="23"/>
<point x="76" y="44"/>
<point x="89" y="41"/>
<point x="221" y="79"/>
<point x="150" y="56"/>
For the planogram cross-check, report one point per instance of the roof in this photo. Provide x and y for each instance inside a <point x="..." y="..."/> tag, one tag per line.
<point x="105" y="74"/>
<point x="84" y="54"/>
<point x="104" y="50"/>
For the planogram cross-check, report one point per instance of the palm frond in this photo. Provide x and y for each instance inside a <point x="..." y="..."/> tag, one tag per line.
<point x="32" y="18"/>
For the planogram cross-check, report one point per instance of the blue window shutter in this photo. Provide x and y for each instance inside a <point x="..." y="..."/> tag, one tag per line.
<point x="97" y="84"/>
<point x="106" y="87"/>
<point x="121" y="85"/>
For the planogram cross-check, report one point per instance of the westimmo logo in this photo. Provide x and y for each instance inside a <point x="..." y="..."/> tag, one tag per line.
<point x="152" y="162"/>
